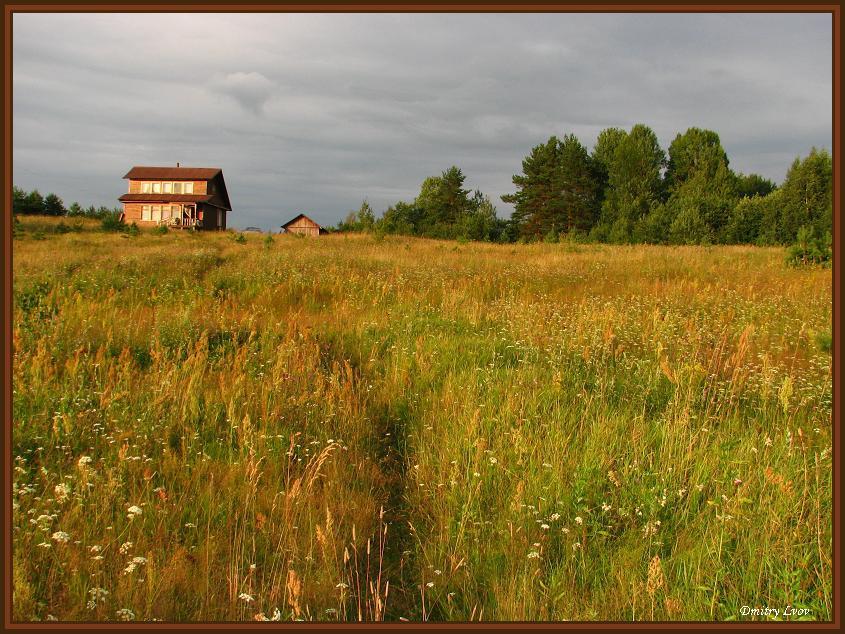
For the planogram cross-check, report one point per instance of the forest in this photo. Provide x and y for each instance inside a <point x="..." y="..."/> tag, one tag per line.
<point x="628" y="190"/>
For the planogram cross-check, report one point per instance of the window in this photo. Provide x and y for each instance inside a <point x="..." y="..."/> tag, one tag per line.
<point x="145" y="212"/>
<point x="145" y="188"/>
<point x="156" y="188"/>
<point x="167" y="188"/>
<point x="165" y="213"/>
<point x="177" y="188"/>
<point x="175" y="211"/>
<point x="189" y="188"/>
<point x="156" y="213"/>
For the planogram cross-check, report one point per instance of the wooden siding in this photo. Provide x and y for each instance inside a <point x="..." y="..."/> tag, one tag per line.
<point x="304" y="226"/>
<point x="200" y="187"/>
<point x="133" y="213"/>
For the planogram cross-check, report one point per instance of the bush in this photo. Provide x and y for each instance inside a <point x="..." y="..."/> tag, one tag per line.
<point x="808" y="249"/>
<point x="161" y="230"/>
<point x="62" y="228"/>
<point x="113" y="221"/>
<point x="551" y="237"/>
<point x="268" y="241"/>
<point x="240" y="238"/>
<point x="133" y="230"/>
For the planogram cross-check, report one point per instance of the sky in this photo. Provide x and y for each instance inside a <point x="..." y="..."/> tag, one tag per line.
<point x="313" y="113"/>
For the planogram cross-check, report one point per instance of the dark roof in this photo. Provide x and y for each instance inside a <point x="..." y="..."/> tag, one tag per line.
<point x="187" y="173"/>
<point x="292" y="220"/>
<point x="165" y="198"/>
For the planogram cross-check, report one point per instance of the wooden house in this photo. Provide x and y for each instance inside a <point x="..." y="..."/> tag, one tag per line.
<point x="303" y="225"/>
<point x="179" y="197"/>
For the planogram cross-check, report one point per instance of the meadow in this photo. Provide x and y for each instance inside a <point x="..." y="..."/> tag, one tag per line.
<point x="362" y="428"/>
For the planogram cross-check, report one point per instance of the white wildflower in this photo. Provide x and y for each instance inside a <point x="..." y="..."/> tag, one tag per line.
<point x="243" y="596"/>
<point x="62" y="491"/>
<point x="133" y="511"/>
<point x="125" y="614"/>
<point x="60" y="537"/>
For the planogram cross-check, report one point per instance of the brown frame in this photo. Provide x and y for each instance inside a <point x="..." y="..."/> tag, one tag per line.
<point x="410" y="7"/>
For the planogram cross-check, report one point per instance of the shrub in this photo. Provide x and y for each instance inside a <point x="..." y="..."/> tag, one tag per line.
<point x="62" y="228"/>
<point x="268" y="241"/>
<point x="133" y="230"/>
<point x="240" y="238"/>
<point x="161" y="230"/>
<point x="112" y="221"/>
<point x="808" y="249"/>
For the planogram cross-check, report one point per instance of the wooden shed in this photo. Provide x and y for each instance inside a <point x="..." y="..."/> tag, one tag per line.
<point x="303" y="225"/>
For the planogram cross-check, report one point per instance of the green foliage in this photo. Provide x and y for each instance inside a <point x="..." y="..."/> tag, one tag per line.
<point x="753" y="185"/>
<point x="113" y="222"/>
<point x="362" y="219"/>
<point x="701" y="188"/>
<point x="133" y="230"/>
<point x="810" y="249"/>
<point x="634" y="185"/>
<point x="239" y="238"/>
<point x="268" y="241"/>
<point x="807" y="196"/>
<point x="160" y="230"/>
<point x="53" y="206"/>
<point x="558" y="189"/>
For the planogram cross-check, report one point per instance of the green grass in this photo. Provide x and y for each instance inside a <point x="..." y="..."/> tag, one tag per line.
<point x="358" y="428"/>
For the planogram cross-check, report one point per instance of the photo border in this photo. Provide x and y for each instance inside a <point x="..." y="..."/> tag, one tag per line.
<point x="9" y="9"/>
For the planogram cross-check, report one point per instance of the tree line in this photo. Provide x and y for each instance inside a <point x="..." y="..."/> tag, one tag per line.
<point x="34" y="203"/>
<point x="628" y="190"/>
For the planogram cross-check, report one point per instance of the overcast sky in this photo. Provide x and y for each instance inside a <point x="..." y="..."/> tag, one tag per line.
<point x="315" y="112"/>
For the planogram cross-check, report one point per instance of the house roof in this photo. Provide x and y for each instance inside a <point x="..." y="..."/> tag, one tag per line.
<point x="186" y="173"/>
<point x="141" y="172"/>
<point x="292" y="220"/>
<point x="166" y="198"/>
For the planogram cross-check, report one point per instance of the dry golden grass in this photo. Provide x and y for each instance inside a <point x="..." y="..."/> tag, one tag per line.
<point x="351" y="428"/>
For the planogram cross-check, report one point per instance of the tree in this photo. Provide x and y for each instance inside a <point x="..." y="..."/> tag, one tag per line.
<point x="698" y="177"/>
<point x="33" y="203"/>
<point x="18" y="200"/>
<point x="753" y="185"/>
<point x="535" y="190"/>
<point x="54" y="206"/>
<point x="366" y="217"/>
<point x="603" y="152"/>
<point x="746" y="223"/>
<point x="443" y="200"/>
<point x="577" y="186"/>
<point x="807" y="196"/>
<point x="634" y="185"/>
<point x="693" y="152"/>
<point x="558" y="189"/>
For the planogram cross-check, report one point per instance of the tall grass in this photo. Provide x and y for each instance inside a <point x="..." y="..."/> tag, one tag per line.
<point x="347" y="428"/>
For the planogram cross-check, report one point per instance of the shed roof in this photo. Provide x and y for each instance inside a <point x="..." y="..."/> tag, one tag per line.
<point x="292" y="220"/>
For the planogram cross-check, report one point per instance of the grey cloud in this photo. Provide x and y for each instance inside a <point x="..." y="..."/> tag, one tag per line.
<point x="314" y="112"/>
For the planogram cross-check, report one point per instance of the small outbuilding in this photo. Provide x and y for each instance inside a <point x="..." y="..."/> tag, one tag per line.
<point x="303" y="225"/>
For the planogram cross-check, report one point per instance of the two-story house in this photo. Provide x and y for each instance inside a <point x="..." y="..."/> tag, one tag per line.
<point x="179" y="197"/>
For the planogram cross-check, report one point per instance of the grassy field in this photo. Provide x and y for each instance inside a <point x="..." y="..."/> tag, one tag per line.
<point x="352" y="428"/>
